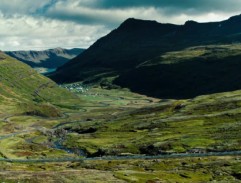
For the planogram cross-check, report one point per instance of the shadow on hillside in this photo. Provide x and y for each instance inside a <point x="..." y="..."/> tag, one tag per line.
<point x="186" y="79"/>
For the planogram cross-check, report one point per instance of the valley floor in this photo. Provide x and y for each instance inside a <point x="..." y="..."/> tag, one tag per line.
<point x="118" y="123"/>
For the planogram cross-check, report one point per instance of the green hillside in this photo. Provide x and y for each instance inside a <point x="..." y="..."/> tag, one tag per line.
<point x="24" y="90"/>
<point x="209" y="122"/>
<point x="124" y="124"/>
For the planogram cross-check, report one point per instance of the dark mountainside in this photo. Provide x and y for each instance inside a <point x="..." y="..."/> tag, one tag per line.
<point x="123" y="52"/>
<point x="51" y="58"/>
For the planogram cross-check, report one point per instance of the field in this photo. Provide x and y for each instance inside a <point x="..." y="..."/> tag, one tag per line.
<point x="120" y="124"/>
<point x="212" y="169"/>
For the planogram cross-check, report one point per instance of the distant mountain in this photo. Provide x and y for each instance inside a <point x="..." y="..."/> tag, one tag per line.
<point x="49" y="59"/>
<point x="124" y="52"/>
<point x="25" y="91"/>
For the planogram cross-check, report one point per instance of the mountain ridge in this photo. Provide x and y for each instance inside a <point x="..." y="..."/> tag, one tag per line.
<point x="136" y="41"/>
<point x="51" y="58"/>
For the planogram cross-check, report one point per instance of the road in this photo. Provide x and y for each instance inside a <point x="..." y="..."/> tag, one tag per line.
<point x="134" y="157"/>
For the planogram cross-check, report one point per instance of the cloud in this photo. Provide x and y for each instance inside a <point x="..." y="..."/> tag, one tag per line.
<point x="27" y="33"/>
<point x="112" y="12"/>
<point x="182" y="5"/>
<point x="31" y="24"/>
<point x="14" y="7"/>
<point x="107" y="17"/>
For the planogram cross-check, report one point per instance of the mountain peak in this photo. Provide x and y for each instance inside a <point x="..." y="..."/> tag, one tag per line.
<point x="58" y="48"/>
<point x="132" y="20"/>
<point x="136" y="41"/>
<point x="235" y="19"/>
<point x="131" y="23"/>
<point x="190" y="23"/>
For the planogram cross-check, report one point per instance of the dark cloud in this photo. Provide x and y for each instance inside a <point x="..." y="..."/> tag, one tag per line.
<point x="88" y="16"/>
<point x="182" y="5"/>
<point x="79" y="23"/>
<point x="112" y="12"/>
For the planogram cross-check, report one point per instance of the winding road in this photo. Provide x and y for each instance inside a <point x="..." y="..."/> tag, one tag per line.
<point x="134" y="157"/>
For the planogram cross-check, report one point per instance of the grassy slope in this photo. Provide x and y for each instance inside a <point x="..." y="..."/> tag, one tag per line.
<point x="208" y="122"/>
<point x="127" y="125"/>
<point x="23" y="89"/>
<point x="124" y="123"/>
<point x="186" y="170"/>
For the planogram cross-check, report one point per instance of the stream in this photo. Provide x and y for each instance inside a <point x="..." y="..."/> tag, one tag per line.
<point x="59" y="145"/>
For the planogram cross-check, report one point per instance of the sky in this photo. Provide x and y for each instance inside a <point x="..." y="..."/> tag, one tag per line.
<point x="44" y="24"/>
